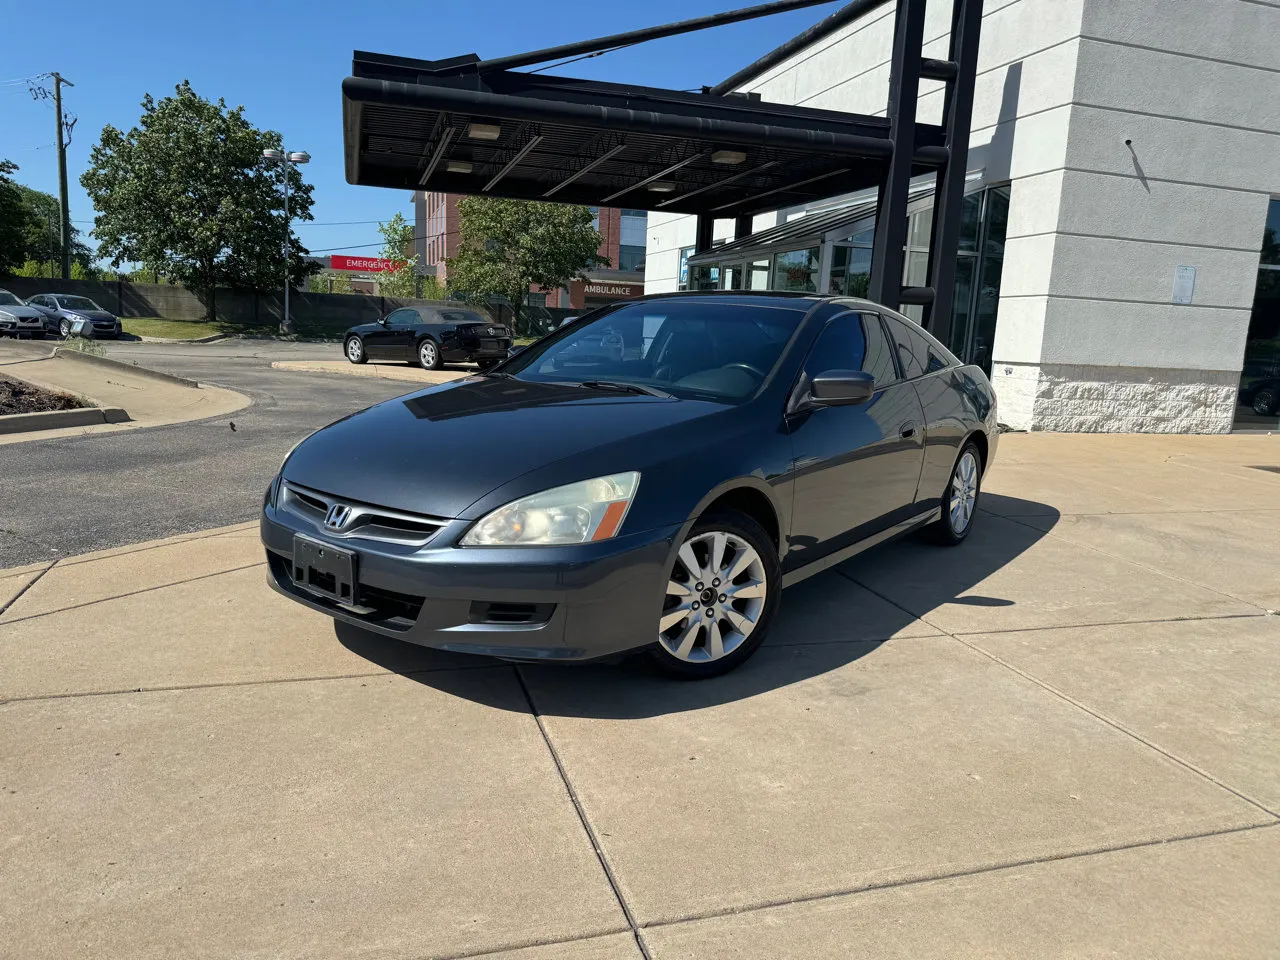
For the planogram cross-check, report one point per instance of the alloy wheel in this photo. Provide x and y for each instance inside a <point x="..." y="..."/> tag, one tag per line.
<point x="355" y="350"/>
<point x="715" y="597"/>
<point x="64" y="328"/>
<point x="427" y="354"/>
<point x="964" y="492"/>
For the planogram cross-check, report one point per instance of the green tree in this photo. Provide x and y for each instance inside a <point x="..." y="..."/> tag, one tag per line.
<point x="321" y="282"/>
<point x="43" y="238"/>
<point x="505" y="246"/>
<point x="400" y="279"/>
<point x="12" y="220"/>
<point x="185" y="193"/>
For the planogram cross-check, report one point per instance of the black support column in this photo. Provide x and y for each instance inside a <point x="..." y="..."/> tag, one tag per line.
<point x="742" y="226"/>
<point x="966" y="25"/>
<point x="706" y="229"/>
<point x="891" y="214"/>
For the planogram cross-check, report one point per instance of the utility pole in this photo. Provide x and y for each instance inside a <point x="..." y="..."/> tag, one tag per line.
<point x="65" y="214"/>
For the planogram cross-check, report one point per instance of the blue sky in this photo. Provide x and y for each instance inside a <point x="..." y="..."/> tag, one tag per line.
<point x="285" y="62"/>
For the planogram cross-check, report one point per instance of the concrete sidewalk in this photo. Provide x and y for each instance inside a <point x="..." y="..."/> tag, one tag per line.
<point x="149" y="401"/>
<point x="1060" y="740"/>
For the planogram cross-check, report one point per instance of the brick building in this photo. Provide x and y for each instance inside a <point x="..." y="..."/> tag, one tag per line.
<point x="623" y="243"/>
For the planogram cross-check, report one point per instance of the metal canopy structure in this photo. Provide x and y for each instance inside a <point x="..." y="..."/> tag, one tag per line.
<point x="470" y="126"/>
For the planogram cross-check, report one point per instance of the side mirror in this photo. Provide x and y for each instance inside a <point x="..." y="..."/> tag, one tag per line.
<point x="382" y="321"/>
<point x="513" y="350"/>
<point x="841" y="388"/>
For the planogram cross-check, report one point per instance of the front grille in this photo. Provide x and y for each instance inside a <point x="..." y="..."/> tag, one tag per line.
<point x="390" y="604"/>
<point x="365" y="521"/>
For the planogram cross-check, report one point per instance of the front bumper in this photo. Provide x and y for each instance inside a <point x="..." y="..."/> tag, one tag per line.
<point x="525" y="603"/>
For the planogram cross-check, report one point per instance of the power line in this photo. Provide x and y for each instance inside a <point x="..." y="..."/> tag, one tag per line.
<point x="38" y="76"/>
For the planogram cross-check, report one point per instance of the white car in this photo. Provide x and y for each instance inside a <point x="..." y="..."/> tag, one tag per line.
<point x="19" y="320"/>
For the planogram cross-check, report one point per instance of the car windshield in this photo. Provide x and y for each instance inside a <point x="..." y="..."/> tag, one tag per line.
<point x="9" y="300"/>
<point x="687" y="348"/>
<point x="78" y="303"/>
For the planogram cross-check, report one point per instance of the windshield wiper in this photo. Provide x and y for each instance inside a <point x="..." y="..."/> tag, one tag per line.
<point x="625" y="388"/>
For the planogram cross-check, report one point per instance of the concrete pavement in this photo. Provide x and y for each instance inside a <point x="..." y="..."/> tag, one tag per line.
<point x="1059" y="740"/>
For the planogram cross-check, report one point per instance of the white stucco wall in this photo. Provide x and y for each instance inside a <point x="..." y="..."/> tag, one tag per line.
<point x="1196" y="89"/>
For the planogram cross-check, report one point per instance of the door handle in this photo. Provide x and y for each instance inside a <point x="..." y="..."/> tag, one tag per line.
<point x="908" y="430"/>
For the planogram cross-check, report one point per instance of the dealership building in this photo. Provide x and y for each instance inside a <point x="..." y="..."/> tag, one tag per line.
<point x="1119" y="261"/>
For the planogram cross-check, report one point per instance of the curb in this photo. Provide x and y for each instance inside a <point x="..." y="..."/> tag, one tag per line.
<point x="53" y="419"/>
<point x="213" y="339"/>
<point x="65" y="354"/>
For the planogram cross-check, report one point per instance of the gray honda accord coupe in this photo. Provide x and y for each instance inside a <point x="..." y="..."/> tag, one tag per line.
<point x="648" y="478"/>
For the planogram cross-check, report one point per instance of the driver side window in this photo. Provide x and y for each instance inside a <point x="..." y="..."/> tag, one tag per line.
<point x="853" y="341"/>
<point x="400" y="318"/>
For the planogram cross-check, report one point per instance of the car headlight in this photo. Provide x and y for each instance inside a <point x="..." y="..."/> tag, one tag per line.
<point x="575" y="513"/>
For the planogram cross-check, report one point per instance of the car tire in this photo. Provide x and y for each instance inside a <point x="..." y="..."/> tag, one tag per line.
<point x="353" y="349"/>
<point x="960" y="498"/>
<point x="64" y="328"/>
<point x="1266" y="402"/>
<point x="429" y="355"/>
<point x="687" y="646"/>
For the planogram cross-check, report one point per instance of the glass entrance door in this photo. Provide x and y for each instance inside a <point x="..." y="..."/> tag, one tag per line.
<point x="979" y="267"/>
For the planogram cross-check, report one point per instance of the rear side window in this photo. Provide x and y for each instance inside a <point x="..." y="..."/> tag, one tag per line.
<point x="919" y="352"/>
<point x="462" y="316"/>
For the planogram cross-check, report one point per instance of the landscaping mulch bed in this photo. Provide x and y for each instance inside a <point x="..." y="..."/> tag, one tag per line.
<point x="17" y="397"/>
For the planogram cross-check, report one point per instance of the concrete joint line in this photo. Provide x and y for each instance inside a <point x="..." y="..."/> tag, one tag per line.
<point x="582" y="817"/>
<point x="959" y="874"/>
<point x="1114" y="724"/>
<point x="1142" y="566"/>
<point x="34" y="581"/>
<point x="120" y="596"/>
<point x="1104" y="623"/>
<point x="527" y="944"/>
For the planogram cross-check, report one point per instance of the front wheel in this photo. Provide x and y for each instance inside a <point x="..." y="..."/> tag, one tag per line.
<point x="721" y="596"/>
<point x="960" y="498"/>
<point x="429" y="355"/>
<point x="1265" y="402"/>
<point x="354" y="350"/>
<point x="64" y="328"/>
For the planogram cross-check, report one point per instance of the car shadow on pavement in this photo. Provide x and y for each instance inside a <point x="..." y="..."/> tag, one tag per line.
<point x="825" y="622"/>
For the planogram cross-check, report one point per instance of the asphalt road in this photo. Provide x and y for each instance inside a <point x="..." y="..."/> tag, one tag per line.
<point x="75" y="494"/>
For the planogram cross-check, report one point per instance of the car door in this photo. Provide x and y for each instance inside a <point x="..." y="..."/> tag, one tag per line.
<point x="380" y="343"/>
<point x="856" y="468"/>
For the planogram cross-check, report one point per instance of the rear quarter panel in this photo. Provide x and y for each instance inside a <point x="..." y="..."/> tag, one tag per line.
<point x="957" y="402"/>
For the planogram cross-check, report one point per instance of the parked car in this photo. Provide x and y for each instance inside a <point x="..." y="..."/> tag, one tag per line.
<point x="659" y="495"/>
<point x="1262" y="395"/>
<point x="17" y="319"/>
<point x="429" y="336"/>
<point x="70" y="315"/>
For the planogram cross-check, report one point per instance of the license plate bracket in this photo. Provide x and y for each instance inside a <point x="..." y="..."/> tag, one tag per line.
<point x="324" y="569"/>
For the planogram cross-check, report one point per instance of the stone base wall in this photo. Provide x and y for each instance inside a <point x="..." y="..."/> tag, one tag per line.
<point x="1069" y="398"/>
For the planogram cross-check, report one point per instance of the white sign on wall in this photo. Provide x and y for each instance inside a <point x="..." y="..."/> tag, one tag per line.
<point x="1184" y="284"/>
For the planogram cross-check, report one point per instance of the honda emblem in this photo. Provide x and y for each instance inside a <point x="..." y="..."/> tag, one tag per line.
<point x="337" y="516"/>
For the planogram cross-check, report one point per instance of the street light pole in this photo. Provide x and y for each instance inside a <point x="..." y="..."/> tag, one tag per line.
<point x="286" y="160"/>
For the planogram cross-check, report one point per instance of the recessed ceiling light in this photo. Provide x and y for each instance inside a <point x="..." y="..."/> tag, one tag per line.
<point x="728" y="157"/>
<point x="484" y="131"/>
<point x="662" y="186"/>
<point x="458" y="166"/>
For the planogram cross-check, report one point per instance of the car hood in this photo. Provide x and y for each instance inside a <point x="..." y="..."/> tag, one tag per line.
<point x="21" y="313"/>
<point x="439" y="451"/>
<point x="91" y="314"/>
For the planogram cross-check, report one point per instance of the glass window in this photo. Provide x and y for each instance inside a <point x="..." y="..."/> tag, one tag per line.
<point x="879" y="360"/>
<point x="1259" y="397"/>
<point x="694" y="349"/>
<point x="9" y="300"/>
<point x="535" y="299"/>
<point x="970" y="214"/>
<point x="685" y="254"/>
<point x="595" y="217"/>
<point x="79" y="303"/>
<point x="759" y="279"/>
<point x="796" y="270"/>
<point x="402" y="316"/>
<point x="840" y="346"/>
<point x="630" y="257"/>
<point x="850" y="271"/>
<point x="631" y="230"/>
<point x="919" y="352"/>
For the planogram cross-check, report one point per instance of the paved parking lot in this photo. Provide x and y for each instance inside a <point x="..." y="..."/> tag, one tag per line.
<point x="1060" y="740"/>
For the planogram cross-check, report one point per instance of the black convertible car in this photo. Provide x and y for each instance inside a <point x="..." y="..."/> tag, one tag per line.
<point x="429" y="336"/>
<point x="650" y="476"/>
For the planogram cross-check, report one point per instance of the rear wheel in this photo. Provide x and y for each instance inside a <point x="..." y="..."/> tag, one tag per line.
<point x="1265" y="402"/>
<point x="721" y="596"/>
<point x="429" y="355"/>
<point x="960" y="499"/>
<point x="354" y="349"/>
